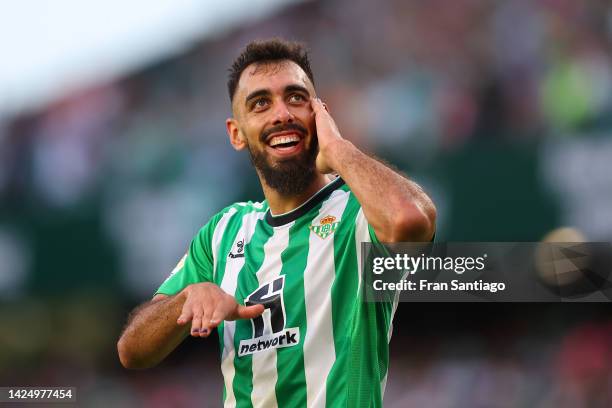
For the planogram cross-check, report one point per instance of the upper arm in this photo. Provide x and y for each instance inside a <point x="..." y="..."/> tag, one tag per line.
<point x="369" y="233"/>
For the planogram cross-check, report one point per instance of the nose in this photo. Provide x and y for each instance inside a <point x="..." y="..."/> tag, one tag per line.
<point x="282" y="114"/>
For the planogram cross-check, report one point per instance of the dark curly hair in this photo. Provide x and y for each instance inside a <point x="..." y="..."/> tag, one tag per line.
<point x="263" y="51"/>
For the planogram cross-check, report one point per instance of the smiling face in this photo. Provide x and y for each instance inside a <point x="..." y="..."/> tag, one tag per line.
<point x="273" y="119"/>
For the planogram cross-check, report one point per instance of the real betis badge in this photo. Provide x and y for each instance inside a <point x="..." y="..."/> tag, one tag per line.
<point x="327" y="225"/>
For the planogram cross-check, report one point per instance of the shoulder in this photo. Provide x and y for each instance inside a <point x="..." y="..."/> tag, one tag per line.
<point x="239" y="209"/>
<point x="232" y="213"/>
<point x="246" y="207"/>
<point x="228" y="219"/>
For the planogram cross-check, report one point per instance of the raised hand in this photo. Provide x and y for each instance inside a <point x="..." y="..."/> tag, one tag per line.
<point x="327" y="134"/>
<point x="207" y="305"/>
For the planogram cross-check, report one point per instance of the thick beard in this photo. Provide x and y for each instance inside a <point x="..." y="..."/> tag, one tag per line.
<point x="289" y="177"/>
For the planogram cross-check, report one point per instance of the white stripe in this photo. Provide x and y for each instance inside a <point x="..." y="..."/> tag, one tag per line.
<point x="319" y="275"/>
<point x="395" y="302"/>
<point x="362" y="234"/>
<point x="229" y="284"/>
<point x="264" y="362"/>
<point x="218" y="235"/>
<point x="383" y="385"/>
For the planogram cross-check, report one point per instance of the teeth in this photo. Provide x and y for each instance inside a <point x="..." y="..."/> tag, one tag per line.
<point x="284" y="139"/>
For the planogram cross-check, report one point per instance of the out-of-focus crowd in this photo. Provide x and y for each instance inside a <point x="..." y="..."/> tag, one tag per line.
<point x="442" y="356"/>
<point x="415" y="80"/>
<point x="103" y="189"/>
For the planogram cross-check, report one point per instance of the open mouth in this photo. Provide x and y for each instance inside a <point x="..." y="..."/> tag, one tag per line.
<point x="284" y="141"/>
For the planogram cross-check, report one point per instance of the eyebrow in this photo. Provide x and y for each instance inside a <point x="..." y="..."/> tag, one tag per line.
<point x="296" y="88"/>
<point x="256" y="94"/>
<point x="266" y="92"/>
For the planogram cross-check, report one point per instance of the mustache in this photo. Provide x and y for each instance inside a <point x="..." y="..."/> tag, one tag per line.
<point x="282" y="128"/>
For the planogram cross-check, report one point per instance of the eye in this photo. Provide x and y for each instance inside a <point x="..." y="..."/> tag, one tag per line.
<point x="259" y="104"/>
<point x="296" y="98"/>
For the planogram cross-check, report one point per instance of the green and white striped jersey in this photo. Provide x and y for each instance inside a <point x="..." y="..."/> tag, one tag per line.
<point x="317" y="344"/>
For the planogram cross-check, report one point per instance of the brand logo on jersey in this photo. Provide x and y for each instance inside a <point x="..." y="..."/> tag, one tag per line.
<point x="327" y="226"/>
<point x="239" y="252"/>
<point x="269" y="330"/>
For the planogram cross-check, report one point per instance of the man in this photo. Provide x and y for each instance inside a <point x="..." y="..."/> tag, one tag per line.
<point x="281" y="279"/>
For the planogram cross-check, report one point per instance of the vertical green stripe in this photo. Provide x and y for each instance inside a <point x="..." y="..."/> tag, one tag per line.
<point x="343" y="303"/>
<point x="290" y="360"/>
<point x="247" y="283"/>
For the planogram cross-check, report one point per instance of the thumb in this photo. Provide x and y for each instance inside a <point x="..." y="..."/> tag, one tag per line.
<point x="248" y="312"/>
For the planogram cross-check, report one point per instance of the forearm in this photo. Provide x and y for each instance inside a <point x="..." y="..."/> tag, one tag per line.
<point x="396" y="207"/>
<point x="152" y="333"/>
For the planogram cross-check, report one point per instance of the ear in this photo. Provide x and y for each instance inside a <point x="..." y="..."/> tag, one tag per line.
<point x="236" y="138"/>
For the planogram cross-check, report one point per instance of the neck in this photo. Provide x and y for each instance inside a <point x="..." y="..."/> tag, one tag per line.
<point x="280" y="204"/>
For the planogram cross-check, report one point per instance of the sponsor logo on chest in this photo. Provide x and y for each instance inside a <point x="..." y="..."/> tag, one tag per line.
<point x="269" y="329"/>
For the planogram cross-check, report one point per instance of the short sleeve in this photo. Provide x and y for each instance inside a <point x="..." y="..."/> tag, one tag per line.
<point x="365" y="232"/>
<point x="196" y="266"/>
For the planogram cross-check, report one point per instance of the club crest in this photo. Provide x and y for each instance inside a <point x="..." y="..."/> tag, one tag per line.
<point x="327" y="226"/>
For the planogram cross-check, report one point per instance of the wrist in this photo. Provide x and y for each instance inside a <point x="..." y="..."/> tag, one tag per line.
<point x="183" y="294"/>
<point x="336" y="151"/>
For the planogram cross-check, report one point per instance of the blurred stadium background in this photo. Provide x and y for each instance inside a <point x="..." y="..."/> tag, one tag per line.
<point x="112" y="155"/>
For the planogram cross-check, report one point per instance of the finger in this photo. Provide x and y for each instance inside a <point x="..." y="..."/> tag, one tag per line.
<point x="320" y="107"/>
<point x="317" y="105"/>
<point x="216" y="318"/>
<point x="206" y="329"/>
<point x="185" y="316"/>
<point x="196" y="323"/>
<point x="249" y="312"/>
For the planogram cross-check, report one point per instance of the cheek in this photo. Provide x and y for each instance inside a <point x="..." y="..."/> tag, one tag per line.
<point x="252" y="132"/>
<point x="307" y="119"/>
<point x="312" y="128"/>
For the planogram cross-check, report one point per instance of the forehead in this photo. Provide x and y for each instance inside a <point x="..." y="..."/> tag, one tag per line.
<point x="273" y="75"/>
